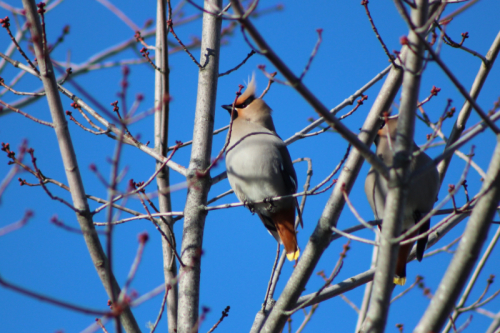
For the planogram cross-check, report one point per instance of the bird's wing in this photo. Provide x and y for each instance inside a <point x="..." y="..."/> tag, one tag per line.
<point x="287" y="170"/>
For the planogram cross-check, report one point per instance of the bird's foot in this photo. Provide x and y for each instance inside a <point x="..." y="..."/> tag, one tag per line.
<point x="270" y="203"/>
<point x="250" y="206"/>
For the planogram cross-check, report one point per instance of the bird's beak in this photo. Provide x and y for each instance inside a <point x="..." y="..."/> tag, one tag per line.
<point x="228" y="107"/>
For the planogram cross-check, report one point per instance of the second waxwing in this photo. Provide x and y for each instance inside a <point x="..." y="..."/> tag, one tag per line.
<point x="259" y="167"/>
<point x="422" y="194"/>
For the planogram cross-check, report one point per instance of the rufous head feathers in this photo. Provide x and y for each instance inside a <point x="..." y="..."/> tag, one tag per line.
<point x="390" y="125"/>
<point x="252" y="109"/>
<point x="247" y="103"/>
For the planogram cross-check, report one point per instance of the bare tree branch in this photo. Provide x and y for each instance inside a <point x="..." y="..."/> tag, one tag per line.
<point x="399" y="180"/>
<point x="464" y="114"/>
<point x="467" y="253"/>
<point x="306" y="93"/>
<point x="472" y="281"/>
<point x="495" y="325"/>
<point x="71" y="166"/>
<point x="336" y="289"/>
<point x="321" y="236"/>
<point x="199" y="184"/>
<point x="162" y="105"/>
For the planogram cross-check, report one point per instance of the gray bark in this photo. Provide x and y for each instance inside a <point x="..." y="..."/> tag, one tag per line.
<point x="199" y="185"/>
<point x="162" y="90"/>
<point x="468" y="251"/>
<point x="464" y="114"/>
<point x="320" y="238"/>
<point x="378" y="309"/>
<point x="73" y="175"/>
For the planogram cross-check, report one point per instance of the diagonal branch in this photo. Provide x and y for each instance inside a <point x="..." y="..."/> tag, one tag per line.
<point x="472" y="281"/>
<point x="322" y="235"/>
<point x="128" y="140"/>
<point x="459" y="86"/>
<point x="464" y="114"/>
<point x="71" y="166"/>
<point x="467" y="253"/>
<point x="306" y="93"/>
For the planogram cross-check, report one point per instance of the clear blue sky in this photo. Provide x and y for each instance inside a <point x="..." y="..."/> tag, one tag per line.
<point x="238" y="251"/>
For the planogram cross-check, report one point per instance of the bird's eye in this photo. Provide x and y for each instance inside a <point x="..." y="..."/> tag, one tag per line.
<point x="245" y="103"/>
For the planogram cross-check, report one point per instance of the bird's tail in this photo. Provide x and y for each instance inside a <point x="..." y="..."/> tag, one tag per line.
<point x="284" y="222"/>
<point x="400" y="277"/>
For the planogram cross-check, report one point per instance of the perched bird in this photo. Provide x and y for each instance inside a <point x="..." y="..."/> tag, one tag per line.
<point x="421" y="195"/>
<point x="259" y="167"/>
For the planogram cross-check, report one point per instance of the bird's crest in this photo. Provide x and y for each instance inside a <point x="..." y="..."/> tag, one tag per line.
<point x="249" y="91"/>
<point x="390" y="126"/>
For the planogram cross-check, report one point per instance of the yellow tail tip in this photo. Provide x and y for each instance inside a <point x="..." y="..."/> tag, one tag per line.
<point x="400" y="280"/>
<point x="293" y="255"/>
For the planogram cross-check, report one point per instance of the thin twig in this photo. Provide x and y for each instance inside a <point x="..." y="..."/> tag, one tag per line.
<point x="170" y="26"/>
<point x="307" y="318"/>
<point x="2" y="83"/>
<point x="162" y="309"/>
<point x="101" y="325"/>
<point x="335" y="272"/>
<point x="141" y="217"/>
<point x="225" y="314"/>
<point x="50" y="300"/>
<point x="228" y="139"/>
<point x="313" y="54"/>
<point x="364" y="3"/>
<point x="418" y="279"/>
<point x="220" y="196"/>
<point x="16" y="225"/>
<point x="79" y="231"/>
<point x="271" y="80"/>
<point x="445" y="248"/>
<point x="121" y="15"/>
<point x="141" y="187"/>
<point x="239" y="65"/>
<point x="187" y="143"/>
<point x="431" y="213"/>
<point x="459" y="86"/>
<point x="40" y="177"/>
<point x="161" y="231"/>
<point x="42" y="122"/>
<point x="99" y="132"/>
<point x="448" y="41"/>
<point x="350" y="303"/>
<point x="352" y="237"/>
<point x="6" y="24"/>
<point x="143" y="238"/>
<point x="354" y="211"/>
<point x="264" y="305"/>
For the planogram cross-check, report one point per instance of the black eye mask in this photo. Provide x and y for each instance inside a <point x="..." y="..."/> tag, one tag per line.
<point x="246" y="102"/>
<point x="243" y="105"/>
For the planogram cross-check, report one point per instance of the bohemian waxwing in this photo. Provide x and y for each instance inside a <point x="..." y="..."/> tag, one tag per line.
<point x="259" y="167"/>
<point x="421" y="195"/>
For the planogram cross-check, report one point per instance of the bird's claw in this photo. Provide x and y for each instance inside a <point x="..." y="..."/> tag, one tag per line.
<point x="249" y="205"/>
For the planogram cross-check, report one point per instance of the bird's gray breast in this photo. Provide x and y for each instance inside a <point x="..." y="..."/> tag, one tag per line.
<point x="422" y="190"/>
<point x="254" y="168"/>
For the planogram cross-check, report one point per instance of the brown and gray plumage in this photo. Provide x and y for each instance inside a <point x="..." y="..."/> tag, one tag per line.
<point x="421" y="195"/>
<point x="259" y="167"/>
